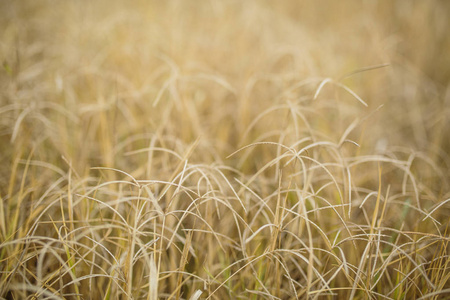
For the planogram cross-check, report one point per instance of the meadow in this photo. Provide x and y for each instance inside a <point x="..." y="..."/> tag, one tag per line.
<point x="224" y="149"/>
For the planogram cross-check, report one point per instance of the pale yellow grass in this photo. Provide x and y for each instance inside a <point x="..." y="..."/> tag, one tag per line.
<point x="224" y="150"/>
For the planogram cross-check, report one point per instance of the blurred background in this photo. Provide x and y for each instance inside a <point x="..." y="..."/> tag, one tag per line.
<point x="232" y="59"/>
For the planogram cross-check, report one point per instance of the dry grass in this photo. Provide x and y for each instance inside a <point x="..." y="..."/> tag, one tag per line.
<point x="224" y="150"/>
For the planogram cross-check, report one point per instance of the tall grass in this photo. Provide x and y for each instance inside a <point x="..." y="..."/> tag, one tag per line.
<point x="224" y="150"/>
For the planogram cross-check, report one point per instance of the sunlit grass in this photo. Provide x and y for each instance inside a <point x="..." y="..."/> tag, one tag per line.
<point x="224" y="150"/>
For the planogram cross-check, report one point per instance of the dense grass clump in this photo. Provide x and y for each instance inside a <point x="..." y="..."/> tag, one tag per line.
<point x="224" y="150"/>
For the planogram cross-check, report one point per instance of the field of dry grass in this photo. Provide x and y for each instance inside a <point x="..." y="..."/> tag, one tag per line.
<point x="224" y="149"/>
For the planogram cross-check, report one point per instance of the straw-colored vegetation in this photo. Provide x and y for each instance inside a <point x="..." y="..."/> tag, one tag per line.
<point x="224" y="149"/>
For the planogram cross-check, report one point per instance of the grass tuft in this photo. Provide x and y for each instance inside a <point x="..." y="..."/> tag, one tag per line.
<point x="224" y="150"/>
